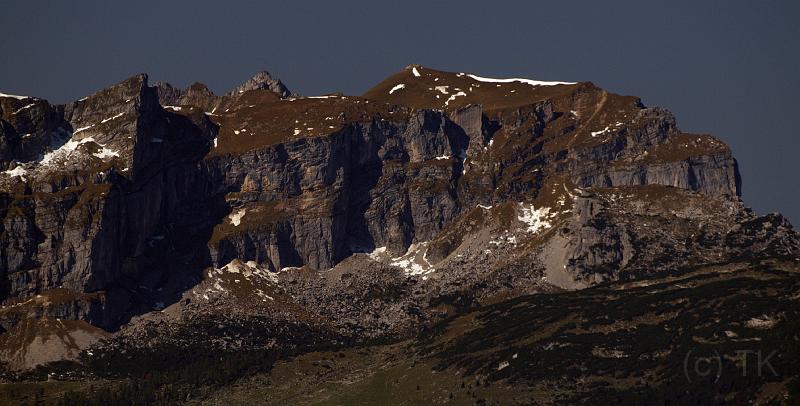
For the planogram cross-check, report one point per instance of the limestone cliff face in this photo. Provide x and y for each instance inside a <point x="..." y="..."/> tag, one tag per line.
<point x="82" y="216"/>
<point x="316" y="201"/>
<point x="118" y="203"/>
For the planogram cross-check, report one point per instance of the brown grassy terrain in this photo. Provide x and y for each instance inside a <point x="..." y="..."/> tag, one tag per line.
<point x="260" y="118"/>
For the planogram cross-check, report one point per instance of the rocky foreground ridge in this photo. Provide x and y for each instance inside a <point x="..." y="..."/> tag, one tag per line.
<point x="141" y="215"/>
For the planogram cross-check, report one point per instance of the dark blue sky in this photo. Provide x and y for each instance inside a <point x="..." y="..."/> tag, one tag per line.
<point x="729" y="68"/>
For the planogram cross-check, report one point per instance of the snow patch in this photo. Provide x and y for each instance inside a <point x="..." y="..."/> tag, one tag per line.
<point x="64" y="151"/>
<point x="377" y="253"/>
<point x="24" y="107"/>
<point x="596" y="133"/>
<point x="105" y="153"/>
<point x="18" y="171"/>
<point x="83" y="128"/>
<point x="528" y="81"/>
<point x="414" y="261"/>
<point x="441" y="89"/>
<point x="16" y="97"/>
<point x="396" y="88"/>
<point x="246" y="270"/>
<point x="453" y="97"/>
<point x="105" y="120"/>
<point x="236" y="217"/>
<point x="535" y="219"/>
<point x="415" y="72"/>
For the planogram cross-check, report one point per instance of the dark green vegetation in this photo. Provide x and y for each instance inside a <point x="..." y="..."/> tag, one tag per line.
<point x="643" y="344"/>
<point x="719" y="334"/>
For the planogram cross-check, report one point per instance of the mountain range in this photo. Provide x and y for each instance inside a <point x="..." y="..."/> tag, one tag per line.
<point x="442" y="238"/>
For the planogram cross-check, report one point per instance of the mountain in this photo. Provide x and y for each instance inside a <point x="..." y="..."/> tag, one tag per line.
<point x="162" y="244"/>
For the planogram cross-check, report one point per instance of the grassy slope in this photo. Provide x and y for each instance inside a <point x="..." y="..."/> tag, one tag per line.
<point x="603" y="343"/>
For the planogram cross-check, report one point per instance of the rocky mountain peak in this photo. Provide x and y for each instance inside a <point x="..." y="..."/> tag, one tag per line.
<point x="262" y="80"/>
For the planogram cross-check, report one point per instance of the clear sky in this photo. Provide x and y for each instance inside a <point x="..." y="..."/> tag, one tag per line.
<point x="729" y="68"/>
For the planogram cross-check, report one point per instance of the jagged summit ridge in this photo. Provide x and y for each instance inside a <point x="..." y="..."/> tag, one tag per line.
<point x="13" y="96"/>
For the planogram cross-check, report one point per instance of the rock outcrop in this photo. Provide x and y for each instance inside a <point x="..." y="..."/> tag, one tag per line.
<point x="262" y="80"/>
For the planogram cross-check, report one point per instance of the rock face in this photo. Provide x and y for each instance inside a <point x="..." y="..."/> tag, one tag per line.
<point x="82" y="217"/>
<point x="433" y="191"/>
<point x="326" y="197"/>
<point x="28" y="127"/>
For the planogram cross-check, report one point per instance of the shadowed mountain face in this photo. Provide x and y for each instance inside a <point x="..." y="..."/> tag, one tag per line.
<point x="143" y="223"/>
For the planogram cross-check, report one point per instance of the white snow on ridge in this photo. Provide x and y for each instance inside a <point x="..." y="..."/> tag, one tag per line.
<point x="396" y="88"/>
<point x="528" y="81"/>
<point x="415" y="71"/>
<point x="441" y="89"/>
<point x="16" y="97"/>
